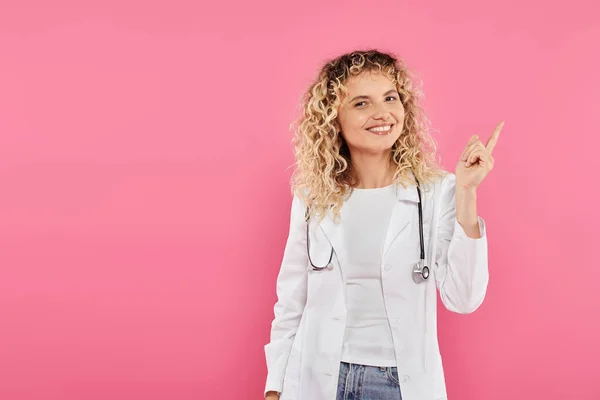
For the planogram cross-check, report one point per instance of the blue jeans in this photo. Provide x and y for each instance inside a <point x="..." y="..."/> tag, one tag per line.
<point x="363" y="382"/>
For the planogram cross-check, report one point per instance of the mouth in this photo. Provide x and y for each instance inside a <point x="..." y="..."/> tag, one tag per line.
<point x="381" y="130"/>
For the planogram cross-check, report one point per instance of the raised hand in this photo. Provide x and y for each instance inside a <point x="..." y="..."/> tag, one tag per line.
<point x="476" y="160"/>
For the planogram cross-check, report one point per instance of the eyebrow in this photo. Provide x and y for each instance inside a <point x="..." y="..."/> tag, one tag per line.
<point x="366" y="97"/>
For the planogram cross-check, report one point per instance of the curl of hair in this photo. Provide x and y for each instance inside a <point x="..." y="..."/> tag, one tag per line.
<point x="323" y="172"/>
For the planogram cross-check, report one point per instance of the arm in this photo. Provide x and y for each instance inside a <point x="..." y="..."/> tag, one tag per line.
<point x="466" y="211"/>
<point x="461" y="270"/>
<point x="291" y="298"/>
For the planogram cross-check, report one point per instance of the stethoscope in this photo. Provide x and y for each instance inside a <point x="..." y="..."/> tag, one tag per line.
<point x="420" y="271"/>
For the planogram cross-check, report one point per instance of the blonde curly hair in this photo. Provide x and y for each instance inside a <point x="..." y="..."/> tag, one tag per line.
<point x="323" y="174"/>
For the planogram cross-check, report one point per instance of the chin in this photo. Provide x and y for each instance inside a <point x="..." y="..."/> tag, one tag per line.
<point x="384" y="146"/>
<point x="375" y="145"/>
<point x="375" y="150"/>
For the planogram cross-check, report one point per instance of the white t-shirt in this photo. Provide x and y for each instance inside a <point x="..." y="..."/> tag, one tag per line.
<point x="367" y="214"/>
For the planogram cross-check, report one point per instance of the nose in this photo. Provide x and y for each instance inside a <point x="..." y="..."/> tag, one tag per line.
<point x="381" y="113"/>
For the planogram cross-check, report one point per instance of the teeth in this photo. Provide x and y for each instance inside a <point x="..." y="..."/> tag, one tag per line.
<point x="381" y="129"/>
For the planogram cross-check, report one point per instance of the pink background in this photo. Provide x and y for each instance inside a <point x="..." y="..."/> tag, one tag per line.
<point x="144" y="154"/>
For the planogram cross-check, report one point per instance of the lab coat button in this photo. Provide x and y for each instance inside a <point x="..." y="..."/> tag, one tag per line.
<point x="388" y="267"/>
<point x="405" y="378"/>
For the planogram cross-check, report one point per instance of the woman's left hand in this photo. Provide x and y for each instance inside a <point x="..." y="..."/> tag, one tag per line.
<point x="476" y="160"/>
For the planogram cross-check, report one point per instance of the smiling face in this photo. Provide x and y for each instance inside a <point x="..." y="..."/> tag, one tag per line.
<point x="371" y="115"/>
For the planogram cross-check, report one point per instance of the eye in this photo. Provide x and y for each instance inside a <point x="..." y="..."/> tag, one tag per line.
<point x="392" y="97"/>
<point x="359" y="103"/>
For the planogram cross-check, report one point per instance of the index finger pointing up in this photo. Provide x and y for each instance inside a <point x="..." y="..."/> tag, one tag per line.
<point x="491" y="143"/>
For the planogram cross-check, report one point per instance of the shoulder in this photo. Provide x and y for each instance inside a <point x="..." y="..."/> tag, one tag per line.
<point x="446" y="190"/>
<point x="441" y="182"/>
<point x="300" y="196"/>
<point x="442" y="187"/>
<point x="300" y="201"/>
<point x="447" y="181"/>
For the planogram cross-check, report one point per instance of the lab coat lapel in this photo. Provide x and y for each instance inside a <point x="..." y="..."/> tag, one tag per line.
<point x="401" y="213"/>
<point x="334" y="233"/>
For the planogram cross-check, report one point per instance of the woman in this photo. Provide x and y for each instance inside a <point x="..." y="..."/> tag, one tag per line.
<point x="356" y="311"/>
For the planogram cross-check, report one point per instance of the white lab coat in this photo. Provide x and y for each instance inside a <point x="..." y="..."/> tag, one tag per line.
<point x="304" y="353"/>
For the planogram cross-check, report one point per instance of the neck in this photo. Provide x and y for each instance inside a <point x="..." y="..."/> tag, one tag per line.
<point x="372" y="171"/>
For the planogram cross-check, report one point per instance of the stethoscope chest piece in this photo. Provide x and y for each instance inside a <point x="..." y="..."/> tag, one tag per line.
<point x="420" y="272"/>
